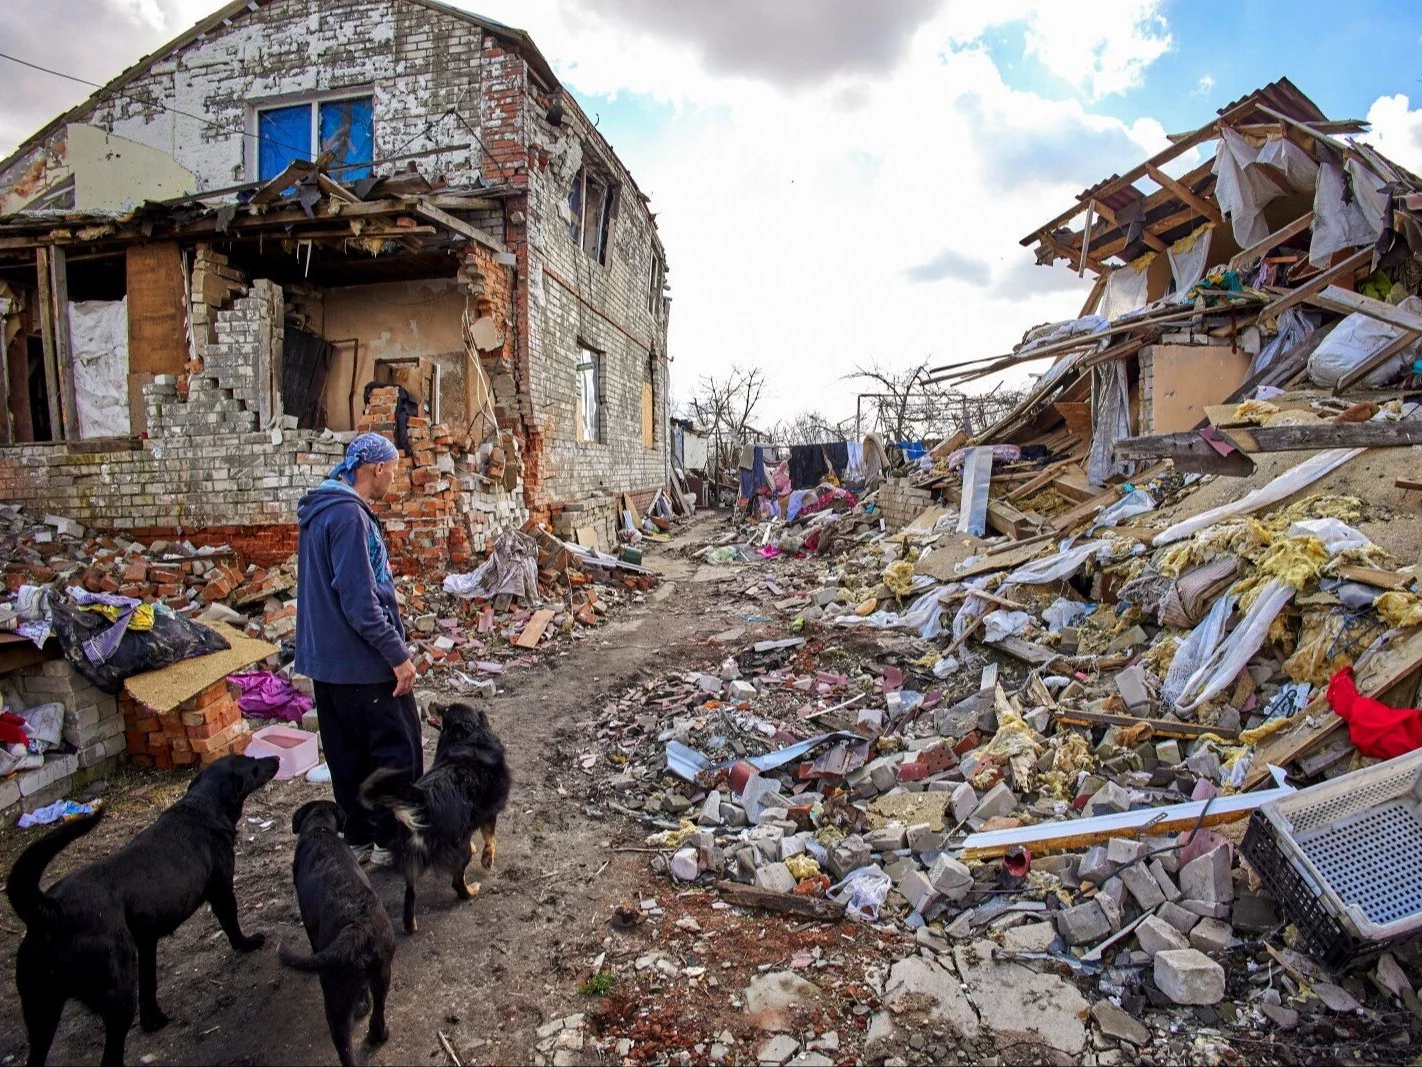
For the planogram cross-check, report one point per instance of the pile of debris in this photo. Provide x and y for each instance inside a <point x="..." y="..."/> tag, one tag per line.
<point x="1052" y="751"/>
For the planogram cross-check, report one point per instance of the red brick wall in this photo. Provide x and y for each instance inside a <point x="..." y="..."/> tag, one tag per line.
<point x="266" y="546"/>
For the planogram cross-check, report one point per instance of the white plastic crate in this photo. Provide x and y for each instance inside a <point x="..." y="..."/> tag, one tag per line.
<point x="1358" y="842"/>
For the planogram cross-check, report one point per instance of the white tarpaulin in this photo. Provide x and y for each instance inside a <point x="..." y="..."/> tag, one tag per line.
<point x="1125" y="290"/>
<point x="1353" y="342"/>
<point x="1188" y="256"/>
<point x="1243" y="188"/>
<point x="1339" y="220"/>
<point x="98" y="338"/>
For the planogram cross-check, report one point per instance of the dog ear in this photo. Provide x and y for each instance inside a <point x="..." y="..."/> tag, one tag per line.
<point x="299" y="816"/>
<point x="340" y="819"/>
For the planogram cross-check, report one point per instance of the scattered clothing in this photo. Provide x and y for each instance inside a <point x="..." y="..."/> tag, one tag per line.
<point x="1377" y="730"/>
<point x="59" y="811"/>
<point x="265" y="695"/>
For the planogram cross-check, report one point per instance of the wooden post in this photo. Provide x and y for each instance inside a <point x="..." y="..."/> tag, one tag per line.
<point x="46" y="317"/>
<point x="63" y="350"/>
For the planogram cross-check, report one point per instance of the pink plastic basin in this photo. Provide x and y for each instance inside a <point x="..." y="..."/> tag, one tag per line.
<point x="296" y="749"/>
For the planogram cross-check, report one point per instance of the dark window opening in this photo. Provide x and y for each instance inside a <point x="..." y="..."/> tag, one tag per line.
<point x="592" y="202"/>
<point x="39" y="391"/>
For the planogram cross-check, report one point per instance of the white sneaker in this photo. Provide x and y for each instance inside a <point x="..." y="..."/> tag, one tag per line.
<point x="381" y="857"/>
<point x="362" y="853"/>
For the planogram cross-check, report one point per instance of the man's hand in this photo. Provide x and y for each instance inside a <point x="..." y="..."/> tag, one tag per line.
<point x="404" y="678"/>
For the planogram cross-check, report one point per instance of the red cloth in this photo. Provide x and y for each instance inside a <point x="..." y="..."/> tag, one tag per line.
<point x="1376" y="729"/>
<point x="12" y="730"/>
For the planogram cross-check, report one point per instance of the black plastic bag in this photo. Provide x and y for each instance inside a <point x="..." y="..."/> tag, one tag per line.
<point x="171" y="639"/>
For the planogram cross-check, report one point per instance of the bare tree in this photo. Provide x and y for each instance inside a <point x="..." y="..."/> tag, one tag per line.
<point x="724" y="407"/>
<point x="899" y="405"/>
<point x="811" y="428"/>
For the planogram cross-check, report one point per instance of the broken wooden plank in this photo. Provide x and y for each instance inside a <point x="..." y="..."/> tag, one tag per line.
<point x="1374" y="577"/>
<point x="1248" y="257"/>
<point x="1001" y="561"/>
<point x="1006" y="519"/>
<point x="749" y="896"/>
<point x="1317" y="283"/>
<point x="1187" y="731"/>
<point x="534" y="630"/>
<point x="444" y="218"/>
<point x="1076" y="834"/>
<point x="1027" y="651"/>
<point x="1068" y="520"/>
<point x="1185" y="195"/>
<point x="1372" y="434"/>
<point x="47" y="336"/>
<point x="1190" y="453"/>
<point x="1376" y="360"/>
<point x="1407" y="483"/>
<point x="1037" y="481"/>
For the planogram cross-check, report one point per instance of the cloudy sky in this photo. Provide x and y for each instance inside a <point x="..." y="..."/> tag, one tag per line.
<point x="840" y="183"/>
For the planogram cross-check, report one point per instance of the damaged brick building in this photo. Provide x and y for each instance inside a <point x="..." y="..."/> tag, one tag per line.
<point x="207" y="265"/>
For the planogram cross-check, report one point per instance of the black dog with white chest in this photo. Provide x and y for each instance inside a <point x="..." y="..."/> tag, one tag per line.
<point x="351" y="938"/>
<point x="93" y="936"/>
<point x="465" y="790"/>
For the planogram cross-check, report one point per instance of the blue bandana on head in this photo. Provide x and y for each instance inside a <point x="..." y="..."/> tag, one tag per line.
<point x="367" y="448"/>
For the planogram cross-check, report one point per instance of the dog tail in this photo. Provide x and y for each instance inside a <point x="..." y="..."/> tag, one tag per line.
<point x="340" y="953"/>
<point x="393" y="789"/>
<point x="31" y="904"/>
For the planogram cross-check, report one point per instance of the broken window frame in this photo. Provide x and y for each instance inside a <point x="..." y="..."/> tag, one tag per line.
<point x="587" y="376"/>
<point x="315" y="106"/>
<point x="592" y="235"/>
<point x="655" y="283"/>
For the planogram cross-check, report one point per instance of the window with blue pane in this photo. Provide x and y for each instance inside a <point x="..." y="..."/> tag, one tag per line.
<point x="343" y="128"/>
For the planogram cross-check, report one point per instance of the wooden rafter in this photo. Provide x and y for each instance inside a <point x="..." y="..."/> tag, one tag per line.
<point x="1201" y="206"/>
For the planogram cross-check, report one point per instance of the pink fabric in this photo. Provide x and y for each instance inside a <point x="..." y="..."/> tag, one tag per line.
<point x="264" y="695"/>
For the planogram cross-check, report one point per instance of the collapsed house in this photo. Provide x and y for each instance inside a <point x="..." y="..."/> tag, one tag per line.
<point x="1213" y="284"/>
<point x="208" y="266"/>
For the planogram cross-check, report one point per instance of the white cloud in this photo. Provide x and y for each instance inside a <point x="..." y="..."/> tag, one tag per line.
<point x="1397" y="130"/>
<point x="864" y="203"/>
<point x="1204" y="86"/>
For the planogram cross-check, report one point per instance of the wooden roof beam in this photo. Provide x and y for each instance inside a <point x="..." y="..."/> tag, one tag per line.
<point x="1186" y="195"/>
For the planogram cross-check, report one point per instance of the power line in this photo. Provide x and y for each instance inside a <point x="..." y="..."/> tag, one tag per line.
<point x="155" y="103"/>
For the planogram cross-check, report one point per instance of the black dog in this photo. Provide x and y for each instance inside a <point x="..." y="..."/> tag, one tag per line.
<point x="94" y="935"/>
<point x="464" y="791"/>
<point x="346" y="924"/>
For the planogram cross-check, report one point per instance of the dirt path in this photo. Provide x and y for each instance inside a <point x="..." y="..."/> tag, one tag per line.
<point x="488" y="973"/>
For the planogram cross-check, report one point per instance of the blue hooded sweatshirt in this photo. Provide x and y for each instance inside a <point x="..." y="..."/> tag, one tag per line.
<point x="347" y="618"/>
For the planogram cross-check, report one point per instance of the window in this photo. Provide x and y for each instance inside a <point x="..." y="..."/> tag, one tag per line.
<point x="344" y="128"/>
<point x="591" y="202"/>
<point x="655" y="284"/>
<point x="589" y="374"/>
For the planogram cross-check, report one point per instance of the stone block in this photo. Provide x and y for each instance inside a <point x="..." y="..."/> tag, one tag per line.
<point x="849" y="855"/>
<point x="1211" y="935"/>
<point x="1121" y="851"/>
<point x="1083" y="924"/>
<point x="917" y="890"/>
<point x="1096" y="865"/>
<point x="962" y="802"/>
<point x="1157" y="935"/>
<point x="775" y="877"/>
<point x="1116" y="1023"/>
<point x="889" y="838"/>
<point x="1207" y="878"/>
<point x="1188" y="976"/>
<point x="1181" y="918"/>
<point x="921" y="837"/>
<point x="1163" y="879"/>
<point x="999" y="800"/>
<point x="1142" y="886"/>
<point x="950" y="878"/>
<point x="1029" y="937"/>
<point x="1110" y="798"/>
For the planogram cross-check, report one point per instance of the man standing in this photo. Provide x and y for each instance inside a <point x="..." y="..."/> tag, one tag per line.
<point x="349" y="639"/>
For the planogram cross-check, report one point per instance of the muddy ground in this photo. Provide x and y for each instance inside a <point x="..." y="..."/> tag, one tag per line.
<point x="487" y="973"/>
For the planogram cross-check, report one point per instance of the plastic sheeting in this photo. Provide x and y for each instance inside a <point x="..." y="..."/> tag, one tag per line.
<point x="1054" y="332"/>
<point x="1356" y="339"/>
<point x="1126" y="290"/>
<point x="1337" y="536"/>
<point x="1136" y="502"/>
<point x="1285" y="485"/>
<point x="1294" y="325"/>
<point x="1339" y="220"/>
<point x="1243" y="188"/>
<point x="923" y="615"/>
<point x="512" y="568"/>
<point x="1000" y="624"/>
<point x="1188" y="257"/>
<point x="1058" y="567"/>
<point x="862" y="892"/>
<point x="1110" y="418"/>
<point x="98" y="338"/>
<point x="1223" y="665"/>
<point x="1197" y="647"/>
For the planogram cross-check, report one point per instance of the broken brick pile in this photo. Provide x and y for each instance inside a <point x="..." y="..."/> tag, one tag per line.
<point x="441" y="506"/>
<point x="202" y="729"/>
<point x="181" y="575"/>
